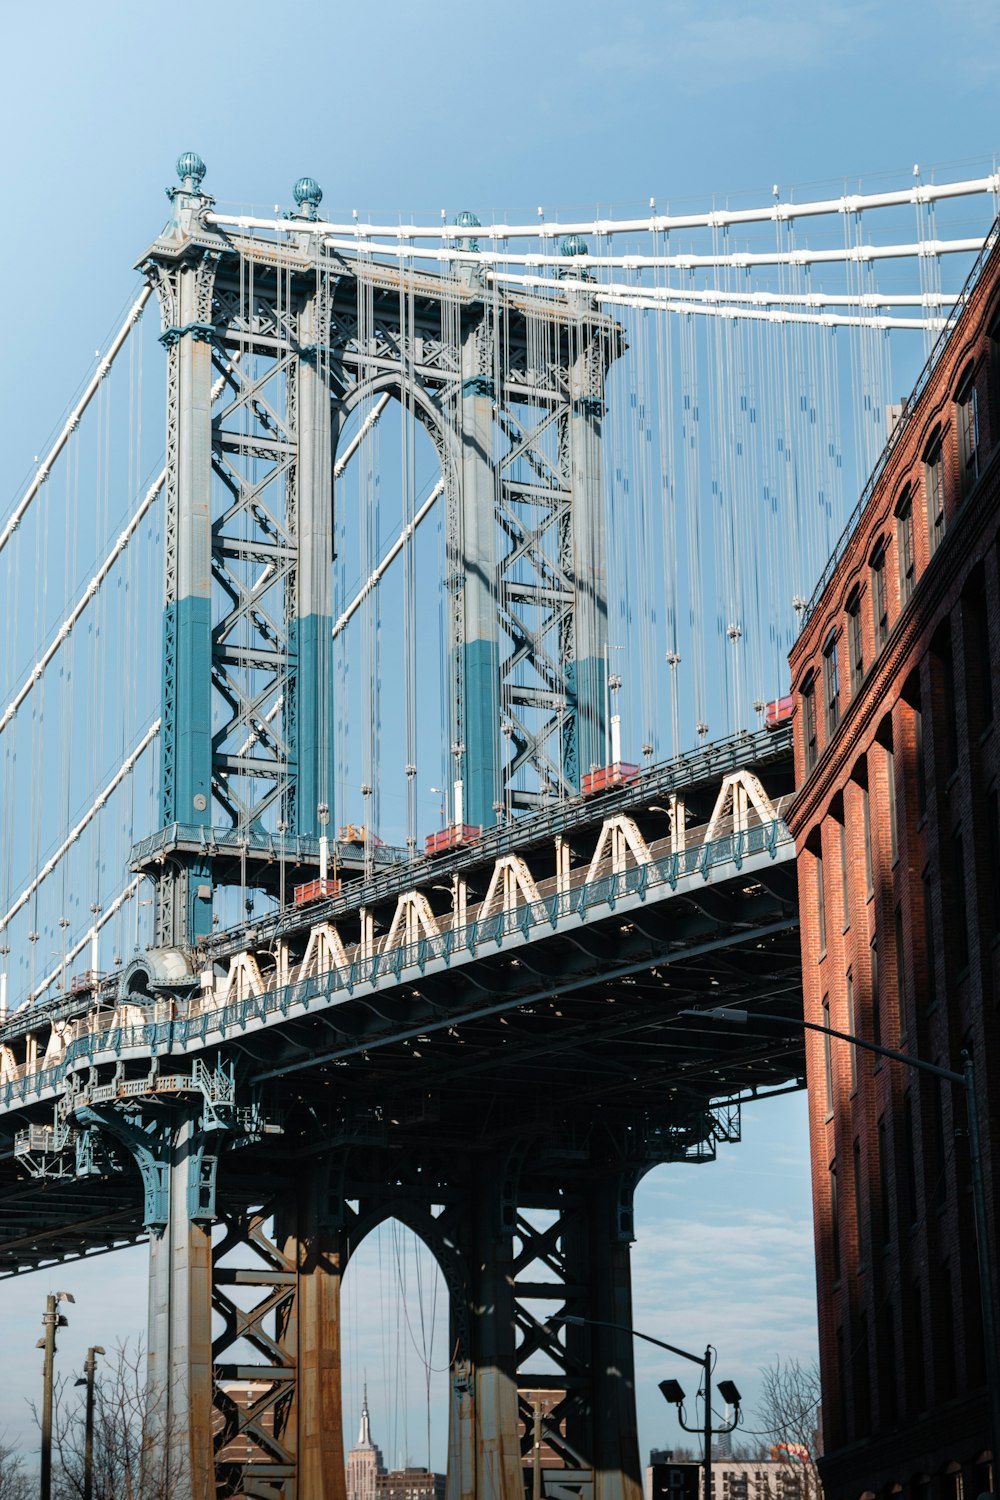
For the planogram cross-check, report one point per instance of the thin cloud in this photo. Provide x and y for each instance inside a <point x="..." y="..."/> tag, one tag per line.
<point x="695" y="47"/>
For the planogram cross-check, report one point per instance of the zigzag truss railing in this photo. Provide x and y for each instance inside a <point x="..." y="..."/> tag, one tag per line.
<point x="623" y="865"/>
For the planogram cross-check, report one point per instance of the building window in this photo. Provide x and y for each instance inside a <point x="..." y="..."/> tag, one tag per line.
<point x="977" y="651"/>
<point x="909" y="1161"/>
<point x="834" y="1221"/>
<point x="918" y="733"/>
<point x="967" y="424"/>
<point x="859" y="1238"/>
<point x="930" y="955"/>
<point x="852" y="1050"/>
<point x="821" y="905"/>
<point x="831" y="682"/>
<point x="890" y="771"/>
<point x="904" y="540"/>
<point x="883" y="1181"/>
<point x="934" y="487"/>
<point x="918" y="1371"/>
<point x="993" y="845"/>
<point x="946" y="662"/>
<point x="876" y="998"/>
<point x="866" y="821"/>
<point x="844" y="876"/>
<point x="961" y="913"/>
<point x="827" y="1057"/>
<point x="880" y="604"/>
<point x="945" y="1324"/>
<point x="855" y="641"/>
<point x="900" y="966"/>
<point x="808" y="695"/>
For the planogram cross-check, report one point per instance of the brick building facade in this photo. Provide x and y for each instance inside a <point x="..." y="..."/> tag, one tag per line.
<point x="896" y="680"/>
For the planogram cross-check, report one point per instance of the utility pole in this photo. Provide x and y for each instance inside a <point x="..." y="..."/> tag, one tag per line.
<point x="51" y="1320"/>
<point x="89" y="1371"/>
<point x="536" y="1452"/>
<point x="707" y="1438"/>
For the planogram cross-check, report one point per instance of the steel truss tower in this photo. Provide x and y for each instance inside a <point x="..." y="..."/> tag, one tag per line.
<point x="272" y="346"/>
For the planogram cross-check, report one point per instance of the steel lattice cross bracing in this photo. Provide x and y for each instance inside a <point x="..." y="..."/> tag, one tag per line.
<point x="486" y="1031"/>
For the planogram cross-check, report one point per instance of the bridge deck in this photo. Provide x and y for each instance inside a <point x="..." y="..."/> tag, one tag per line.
<point x="565" y="1005"/>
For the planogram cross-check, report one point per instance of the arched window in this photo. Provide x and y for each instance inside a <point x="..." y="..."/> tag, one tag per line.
<point x="967" y="428"/>
<point x="855" y="639"/>
<point x="880" y="594"/>
<point x="904" y="540"/>
<point x="934" y="490"/>
<point x="831" y="681"/>
<point x="808" y="695"/>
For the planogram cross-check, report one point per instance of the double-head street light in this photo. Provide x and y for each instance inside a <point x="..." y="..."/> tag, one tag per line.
<point x="967" y="1080"/>
<point x="673" y="1392"/>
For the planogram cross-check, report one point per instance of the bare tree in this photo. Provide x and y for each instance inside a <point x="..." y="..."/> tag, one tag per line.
<point x="15" y="1484"/>
<point x="128" y="1463"/>
<point x="787" y="1411"/>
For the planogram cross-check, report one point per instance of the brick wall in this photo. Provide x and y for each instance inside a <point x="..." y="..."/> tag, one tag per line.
<point x="911" y="958"/>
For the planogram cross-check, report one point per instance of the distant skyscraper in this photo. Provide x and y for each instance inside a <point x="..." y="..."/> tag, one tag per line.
<point x="364" y="1462"/>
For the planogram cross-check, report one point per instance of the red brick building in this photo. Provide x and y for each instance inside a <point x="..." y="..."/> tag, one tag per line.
<point x="896" y="678"/>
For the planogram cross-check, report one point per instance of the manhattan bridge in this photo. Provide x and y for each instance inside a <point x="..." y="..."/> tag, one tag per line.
<point x="530" y="511"/>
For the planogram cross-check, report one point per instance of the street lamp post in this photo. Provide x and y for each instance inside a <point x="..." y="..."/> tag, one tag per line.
<point x="89" y="1371"/>
<point x="52" y="1319"/>
<point x="671" y="1389"/>
<point x="967" y="1080"/>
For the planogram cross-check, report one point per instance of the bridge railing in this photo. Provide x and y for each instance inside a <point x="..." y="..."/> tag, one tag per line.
<point x="692" y="768"/>
<point x="161" y="1035"/>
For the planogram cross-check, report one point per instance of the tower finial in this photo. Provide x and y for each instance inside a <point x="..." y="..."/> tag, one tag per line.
<point x="364" y="1436"/>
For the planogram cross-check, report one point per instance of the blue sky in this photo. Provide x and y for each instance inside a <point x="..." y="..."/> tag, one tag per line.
<point x="411" y="109"/>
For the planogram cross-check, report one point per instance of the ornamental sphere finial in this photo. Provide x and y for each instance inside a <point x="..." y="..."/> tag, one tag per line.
<point x="467" y="220"/>
<point x="573" y="244"/>
<point x="190" y="170"/>
<point x="308" y="195"/>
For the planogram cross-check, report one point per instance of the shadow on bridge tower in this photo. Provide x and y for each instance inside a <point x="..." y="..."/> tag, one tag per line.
<point x="272" y="344"/>
<point x="244" y="1323"/>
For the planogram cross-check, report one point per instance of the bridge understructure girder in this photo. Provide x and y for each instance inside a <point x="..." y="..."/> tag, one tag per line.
<point x="273" y="349"/>
<point x="500" y="1086"/>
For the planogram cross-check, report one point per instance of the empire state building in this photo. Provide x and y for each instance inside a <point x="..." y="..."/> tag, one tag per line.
<point x="364" y="1462"/>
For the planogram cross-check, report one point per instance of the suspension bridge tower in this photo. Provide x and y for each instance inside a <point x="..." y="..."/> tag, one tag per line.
<point x="272" y="346"/>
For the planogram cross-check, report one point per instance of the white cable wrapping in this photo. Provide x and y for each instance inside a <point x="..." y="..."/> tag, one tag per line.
<point x="683" y="261"/>
<point x="73" y="420"/>
<point x="719" y="218"/>
<point x="648" y="297"/>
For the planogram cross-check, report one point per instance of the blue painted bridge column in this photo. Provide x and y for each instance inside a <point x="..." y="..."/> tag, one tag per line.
<point x="186" y="785"/>
<point x="310" y="718"/>
<point x="584" y="743"/>
<point x="479" y="657"/>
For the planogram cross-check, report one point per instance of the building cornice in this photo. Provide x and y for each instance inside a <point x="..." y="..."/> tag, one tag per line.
<point x="870" y="705"/>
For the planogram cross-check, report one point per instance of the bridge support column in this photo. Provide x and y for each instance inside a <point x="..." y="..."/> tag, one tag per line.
<point x="310" y="716"/>
<point x="478" y="666"/>
<point x="587" y="674"/>
<point x="310" y="1335"/>
<point x="484" y="1453"/>
<point x="598" y="1259"/>
<point x="179" y="1371"/>
<point x="186" y="787"/>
